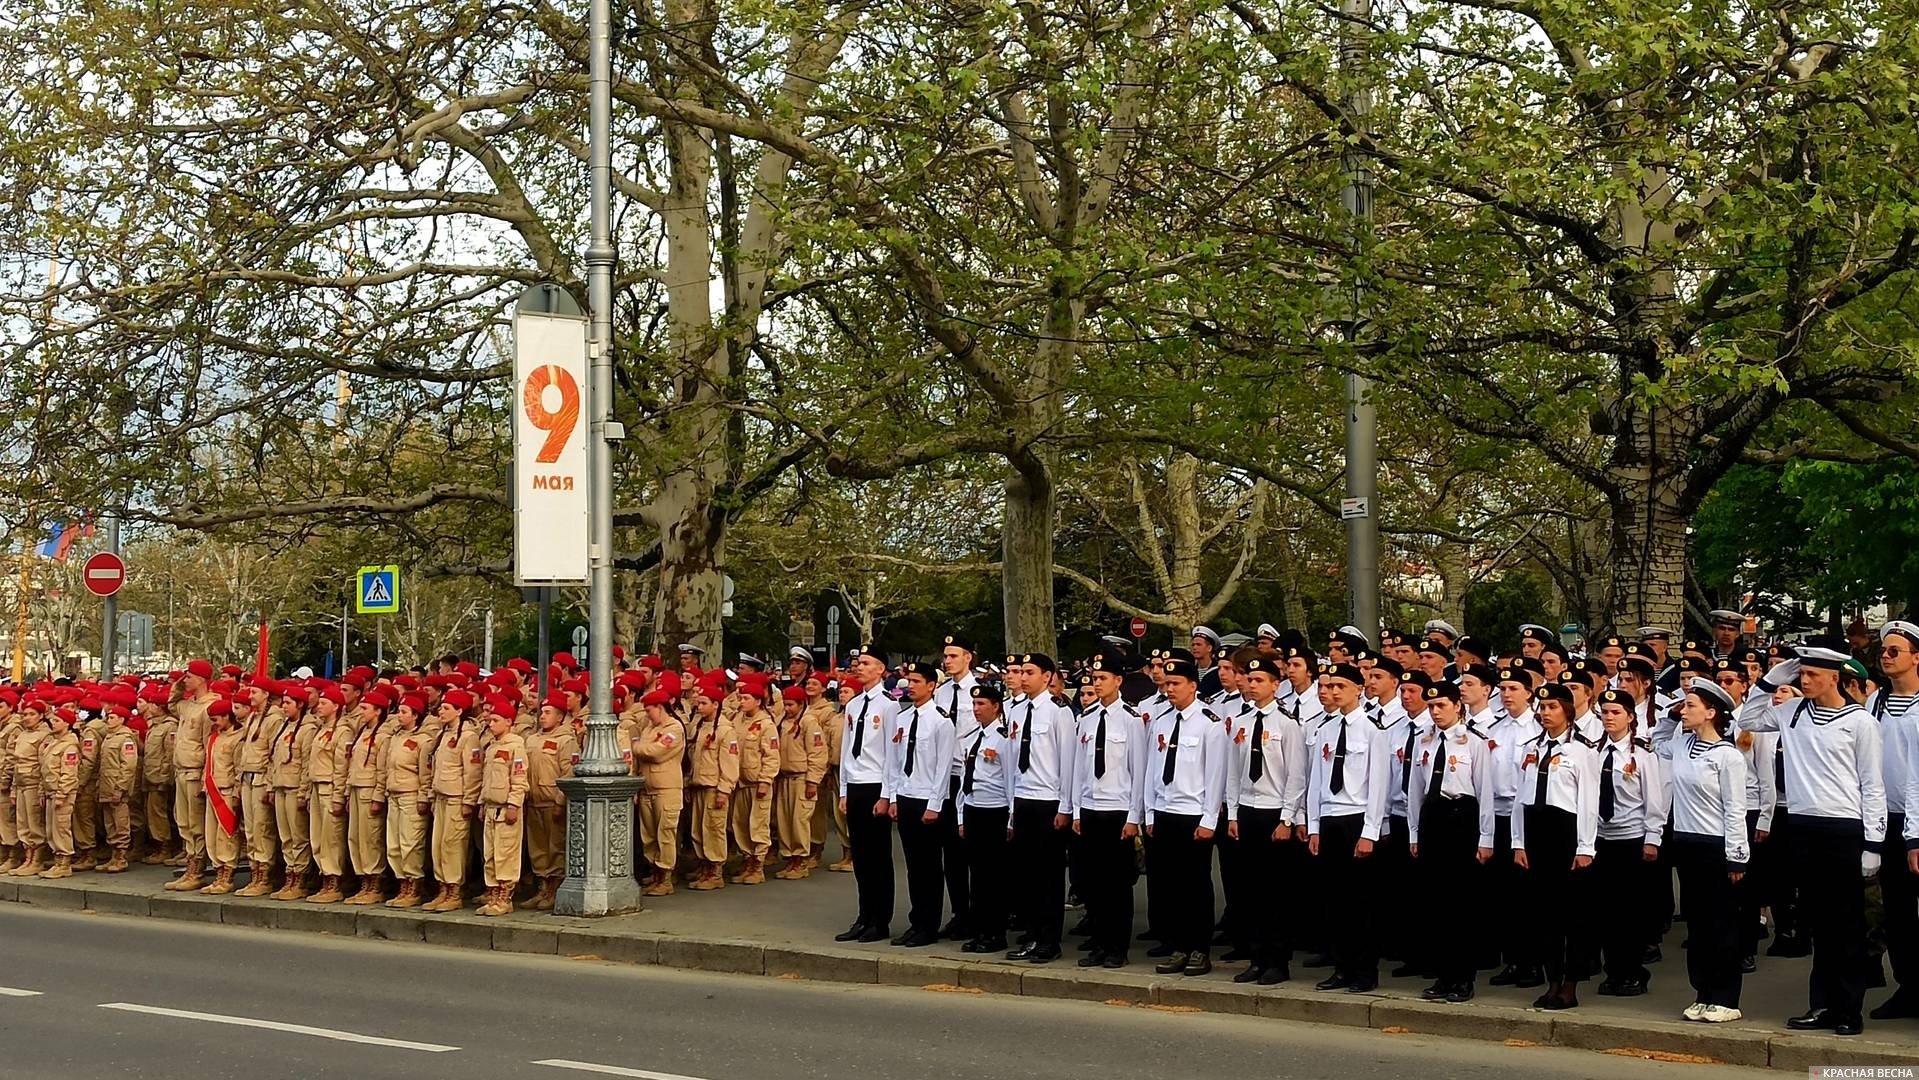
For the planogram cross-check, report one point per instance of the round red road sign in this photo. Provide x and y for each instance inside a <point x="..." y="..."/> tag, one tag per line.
<point x="104" y="574"/>
<point x="1139" y="628"/>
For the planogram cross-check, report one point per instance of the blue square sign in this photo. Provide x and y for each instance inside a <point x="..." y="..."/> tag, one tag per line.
<point x="378" y="592"/>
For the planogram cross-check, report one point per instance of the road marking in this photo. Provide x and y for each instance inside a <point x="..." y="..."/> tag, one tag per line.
<point x="611" y="1070"/>
<point x="8" y="991"/>
<point x="275" y="1025"/>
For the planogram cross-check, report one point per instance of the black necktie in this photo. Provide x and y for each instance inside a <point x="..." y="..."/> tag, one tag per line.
<point x="859" y="726"/>
<point x="1435" y="782"/>
<point x="1605" y="786"/>
<point x="1258" y="768"/>
<point x="1099" y="745"/>
<point x="955" y="701"/>
<point x="1545" y="767"/>
<point x="1172" y="750"/>
<point x="972" y="754"/>
<point x="1338" y="781"/>
<point x="912" y="739"/>
<point x="1026" y="740"/>
<point x="1779" y="769"/>
<point x="1406" y="765"/>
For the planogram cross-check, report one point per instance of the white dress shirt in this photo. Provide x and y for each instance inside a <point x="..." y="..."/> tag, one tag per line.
<point x="1402" y="732"/>
<point x="1639" y="793"/>
<point x="1367" y="773"/>
<point x="1709" y="793"/>
<point x="1898" y="716"/>
<point x="1834" y="766"/>
<point x="955" y="700"/>
<point x="988" y="752"/>
<point x="1467" y="771"/>
<point x="1283" y="764"/>
<point x="1048" y="732"/>
<point x="925" y="737"/>
<point x="1198" y="786"/>
<point x="1124" y="736"/>
<point x="1572" y="785"/>
<point x="877" y="712"/>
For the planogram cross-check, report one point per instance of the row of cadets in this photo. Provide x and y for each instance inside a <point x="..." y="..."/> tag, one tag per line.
<point x="1266" y="813"/>
<point x="1045" y="738"/>
<point x="870" y="719"/>
<point x="1185" y="789"/>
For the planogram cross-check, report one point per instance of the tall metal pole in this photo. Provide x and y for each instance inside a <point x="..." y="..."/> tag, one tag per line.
<point x="1362" y="431"/>
<point x="546" y="630"/>
<point x="486" y="651"/>
<point x="599" y="828"/>
<point x="110" y="611"/>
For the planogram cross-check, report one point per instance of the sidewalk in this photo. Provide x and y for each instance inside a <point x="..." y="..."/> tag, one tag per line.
<point x="785" y="929"/>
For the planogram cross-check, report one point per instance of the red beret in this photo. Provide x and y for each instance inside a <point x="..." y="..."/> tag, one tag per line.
<point x="415" y="702"/>
<point x="657" y="697"/>
<point x="520" y="664"/>
<point x="200" y="668"/>
<point x="555" y="700"/>
<point x="713" y="688"/>
<point x="219" y="707"/>
<point x="233" y="671"/>
<point x="652" y="660"/>
<point x="120" y="711"/>
<point x="670" y="682"/>
<point x="793" y="693"/>
<point x="354" y="679"/>
<point x="66" y="713"/>
<point x="565" y="660"/>
<point x="332" y="693"/>
<point x="467" y="668"/>
<point x="459" y="699"/>
<point x="378" y="699"/>
<point x="852" y="683"/>
<point x="501" y="705"/>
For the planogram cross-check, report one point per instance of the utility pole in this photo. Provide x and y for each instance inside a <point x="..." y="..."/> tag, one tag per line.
<point x="110" y="611"/>
<point x="599" y="808"/>
<point x="486" y="652"/>
<point x="1361" y="509"/>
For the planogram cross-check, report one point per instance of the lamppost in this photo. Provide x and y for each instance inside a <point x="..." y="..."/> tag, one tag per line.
<point x="599" y="794"/>
<point x="1361" y="509"/>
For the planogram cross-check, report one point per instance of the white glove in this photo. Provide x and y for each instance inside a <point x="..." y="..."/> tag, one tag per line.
<point x="1782" y="674"/>
<point x="1868" y="863"/>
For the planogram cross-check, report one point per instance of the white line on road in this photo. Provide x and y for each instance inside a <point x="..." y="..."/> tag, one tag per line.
<point x="611" y="1070"/>
<point x="275" y="1025"/>
<point x="8" y="991"/>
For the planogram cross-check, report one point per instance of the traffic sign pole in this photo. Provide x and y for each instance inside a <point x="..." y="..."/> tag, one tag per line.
<point x="110" y="613"/>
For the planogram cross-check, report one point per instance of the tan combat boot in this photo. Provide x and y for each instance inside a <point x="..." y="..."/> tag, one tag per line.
<point x="329" y="891"/>
<point x="32" y="863"/>
<point x="222" y="882"/>
<point x="659" y="884"/>
<point x="85" y="861"/>
<point x="455" y="899"/>
<point x="10" y="857"/>
<point x="117" y="864"/>
<point x="814" y="855"/>
<point x="433" y="903"/>
<point x="188" y="881"/>
<point x="409" y="895"/>
<point x="370" y="892"/>
<point x="500" y="902"/>
<point x="543" y="900"/>
<point x="62" y="868"/>
<point x="753" y="873"/>
<point x="257" y="884"/>
<point x="156" y="856"/>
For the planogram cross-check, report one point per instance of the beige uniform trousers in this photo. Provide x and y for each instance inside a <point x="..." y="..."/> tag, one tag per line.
<point x="119" y="822"/>
<point x="9" y="820"/>
<point x="451" y="831"/>
<point x="223" y="849"/>
<point x="826" y="811"/>
<point x="708" y="825"/>
<point x="502" y="842"/>
<point x="406" y="829"/>
<point x="752" y="821"/>
<point x="190" y="810"/>
<point x="59" y="821"/>
<point x="30" y="816"/>
<point x="263" y="830"/>
<point x="794" y="813"/>
<point x="291" y="825"/>
<point x="545" y="838"/>
<point x="660" y="827"/>
<point x="365" y="834"/>
<point x="160" y="815"/>
<point x="326" y="832"/>
<point x="86" y="819"/>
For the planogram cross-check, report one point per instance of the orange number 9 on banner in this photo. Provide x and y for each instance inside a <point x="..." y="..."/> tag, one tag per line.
<point x="558" y="423"/>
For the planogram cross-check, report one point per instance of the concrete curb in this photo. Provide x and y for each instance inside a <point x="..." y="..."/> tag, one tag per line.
<point x="827" y="963"/>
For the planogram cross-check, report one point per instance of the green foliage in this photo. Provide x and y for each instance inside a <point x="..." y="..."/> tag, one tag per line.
<point x="1495" y="610"/>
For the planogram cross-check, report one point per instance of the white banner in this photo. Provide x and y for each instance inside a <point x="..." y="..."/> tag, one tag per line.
<point x="550" y="423"/>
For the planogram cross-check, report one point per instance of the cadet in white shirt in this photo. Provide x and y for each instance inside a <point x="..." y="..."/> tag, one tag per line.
<point x="1756" y="750"/>
<point x="870" y="717"/>
<point x="1835" y="786"/>
<point x="1108" y="811"/>
<point x="1897" y="708"/>
<point x="1265" y="814"/>
<point x="1185" y="788"/>
<point x="923" y="739"/>
<point x="955" y="701"/>
<point x="1554" y="835"/>
<point x="1045" y="751"/>
<point x="1709" y="847"/>
<point x="1508" y="737"/>
<point x="987" y="782"/>
<point x="1632" y="821"/>
<point x="1405" y="719"/>
<point x="1449" y="821"/>
<point x="1345" y="814"/>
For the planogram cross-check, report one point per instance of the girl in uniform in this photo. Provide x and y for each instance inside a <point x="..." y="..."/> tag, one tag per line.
<point x="1555" y="830"/>
<point x="1632" y="815"/>
<point x="1709" y="846"/>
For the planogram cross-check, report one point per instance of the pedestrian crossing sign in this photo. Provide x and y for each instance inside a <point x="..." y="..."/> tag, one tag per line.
<point x="379" y="591"/>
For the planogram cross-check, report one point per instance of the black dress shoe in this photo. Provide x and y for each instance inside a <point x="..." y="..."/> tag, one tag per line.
<point x="1607" y="988"/>
<point x="1406" y="971"/>
<point x="1789" y="945"/>
<point x="1652" y="955"/>
<point x="1024" y="952"/>
<point x="917" y="939"/>
<point x="874" y="933"/>
<point x="1628" y="988"/>
<point x="1250" y="975"/>
<point x="1900" y="1006"/>
<point x="1529" y="978"/>
<point x="956" y="930"/>
<point x="1820" y="1020"/>
<point x="1084" y="945"/>
<point x="1362" y="986"/>
<point x="1848" y="1026"/>
<point x="1335" y="981"/>
<point x="1093" y="959"/>
<point x="1460" y="994"/>
<point x="1159" y="951"/>
<point x="1114" y="961"/>
<point x="1234" y="956"/>
<point x="851" y="933"/>
<point x="1044" y="954"/>
<point x="1544" y="1001"/>
<point x="984" y="945"/>
<point x="1506" y="977"/>
<point x="901" y="940"/>
<point x="1436" y="992"/>
<point x="1275" y="975"/>
<point x="1749" y="964"/>
<point x="1198" y="964"/>
<point x="1172" y="965"/>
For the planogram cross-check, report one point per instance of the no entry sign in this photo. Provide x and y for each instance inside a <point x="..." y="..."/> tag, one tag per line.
<point x="104" y="574"/>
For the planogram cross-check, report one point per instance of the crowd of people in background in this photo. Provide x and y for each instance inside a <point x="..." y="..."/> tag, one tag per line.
<point x="1567" y="805"/>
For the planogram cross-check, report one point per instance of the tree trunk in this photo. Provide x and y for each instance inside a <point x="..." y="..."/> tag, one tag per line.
<point x="1183" y="527"/>
<point x="1026" y="559"/>
<point x="691" y="561"/>
<point x="1449" y="560"/>
<point x="1648" y="553"/>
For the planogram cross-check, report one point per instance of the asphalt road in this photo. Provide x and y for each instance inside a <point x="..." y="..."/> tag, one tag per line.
<point x="85" y="996"/>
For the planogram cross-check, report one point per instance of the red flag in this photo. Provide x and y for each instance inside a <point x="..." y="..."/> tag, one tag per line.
<point x="261" y="661"/>
<point x="229" y="820"/>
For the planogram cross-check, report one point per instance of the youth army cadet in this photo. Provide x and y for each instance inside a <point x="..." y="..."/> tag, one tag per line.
<point x="119" y="779"/>
<point x="659" y="751"/>
<point x="29" y="801"/>
<point x="457" y="773"/>
<point x="189" y="767"/>
<point x="86" y="806"/>
<point x="11" y="852"/>
<point x="758" y="734"/>
<point x="802" y="769"/>
<point x="221" y="795"/>
<point x="59" y="787"/>
<point x="409" y="794"/>
<point x="713" y="772"/>
<point x="503" y="787"/>
<point x="287" y="784"/>
<point x="552" y="753"/>
<point x="257" y="739"/>
<point x="1045" y="740"/>
<point x="821" y="707"/>
<point x="156" y="774"/>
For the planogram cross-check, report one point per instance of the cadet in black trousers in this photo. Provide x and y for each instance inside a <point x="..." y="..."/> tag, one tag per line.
<point x="1632" y="820"/>
<point x="1107" y="812"/>
<point x="1709" y="847"/>
<point x="864" y="768"/>
<point x="1450" y="826"/>
<point x="920" y="757"/>
<point x="1554" y="836"/>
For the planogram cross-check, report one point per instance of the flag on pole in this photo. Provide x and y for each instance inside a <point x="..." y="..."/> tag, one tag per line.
<point x="264" y="657"/>
<point x="60" y="539"/>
